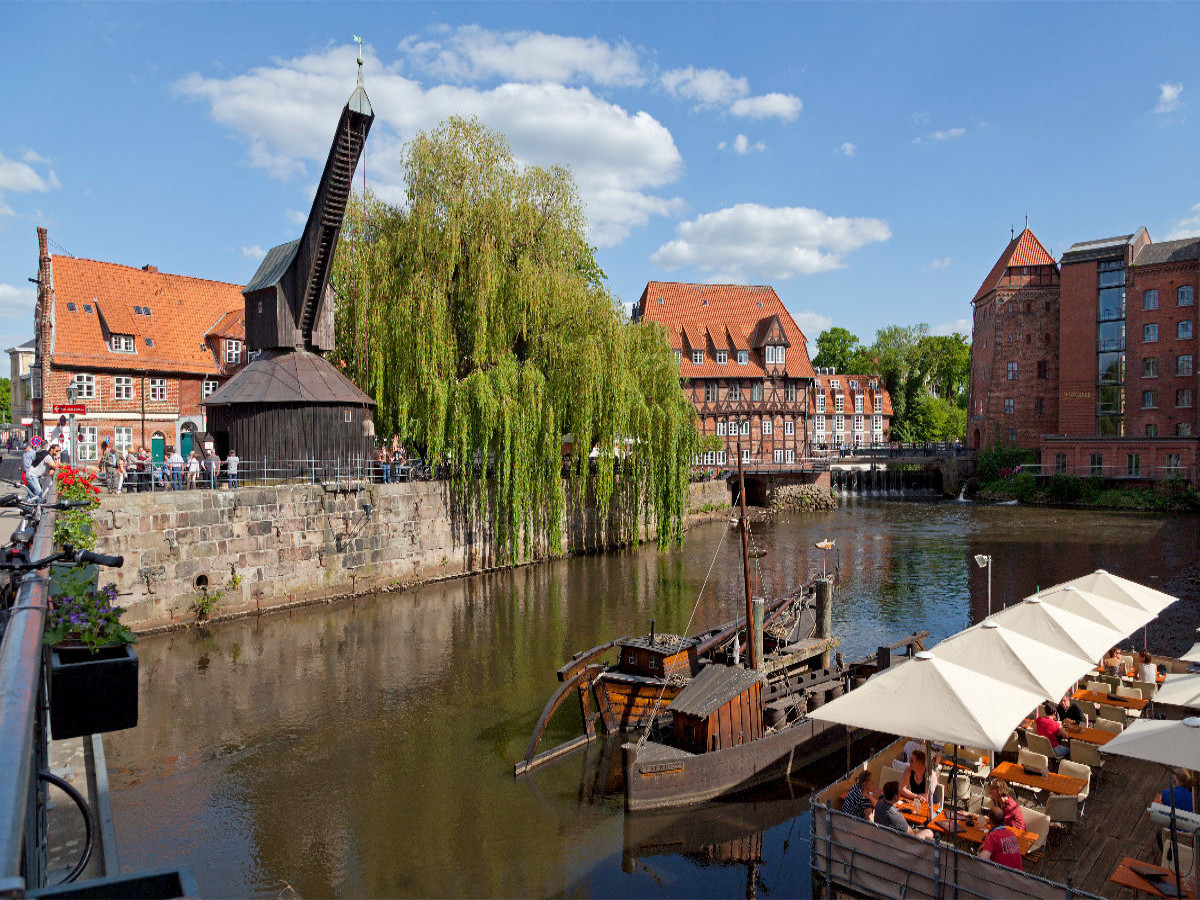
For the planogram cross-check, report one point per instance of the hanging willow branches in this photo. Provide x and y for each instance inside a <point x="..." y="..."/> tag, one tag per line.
<point x="478" y="320"/>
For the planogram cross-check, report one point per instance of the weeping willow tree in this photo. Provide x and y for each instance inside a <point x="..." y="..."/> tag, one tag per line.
<point x="478" y="320"/>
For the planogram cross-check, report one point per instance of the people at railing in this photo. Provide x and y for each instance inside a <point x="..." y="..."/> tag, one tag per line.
<point x="1001" y="845"/>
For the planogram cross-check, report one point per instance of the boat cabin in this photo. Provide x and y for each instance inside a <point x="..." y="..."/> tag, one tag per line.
<point x="720" y="708"/>
<point x="658" y="656"/>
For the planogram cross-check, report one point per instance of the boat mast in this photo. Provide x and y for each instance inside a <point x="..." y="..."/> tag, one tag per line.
<point x="752" y="648"/>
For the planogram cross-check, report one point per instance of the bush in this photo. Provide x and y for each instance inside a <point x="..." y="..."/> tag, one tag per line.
<point x="1064" y="488"/>
<point x="992" y="461"/>
<point x="1024" y="487"/>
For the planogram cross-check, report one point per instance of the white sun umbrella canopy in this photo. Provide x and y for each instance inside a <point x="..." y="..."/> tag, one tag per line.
<point x="933" y="699"/>
<point x="1122" y="590"/>
<point x="1000" y="652"/>
<point x="1058" y="627"/>
<point x="1180" y="690"/>
<point x="1122" y="617"/>
<point x="1193" y="655"/>
<point x="1170" y="742"/>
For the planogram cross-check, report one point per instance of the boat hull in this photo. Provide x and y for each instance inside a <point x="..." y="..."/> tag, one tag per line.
<point x="658" y="777"/>
<point x="626" y="702"/>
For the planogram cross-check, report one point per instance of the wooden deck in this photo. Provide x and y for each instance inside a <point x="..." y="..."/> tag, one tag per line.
<point x="1115" y="825"/>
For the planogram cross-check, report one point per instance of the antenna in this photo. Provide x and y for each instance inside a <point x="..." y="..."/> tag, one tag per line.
<point x="1012" y="232"/>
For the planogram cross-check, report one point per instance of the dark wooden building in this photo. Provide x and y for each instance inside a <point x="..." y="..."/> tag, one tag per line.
<point x="290" y="403"/>
<point x="720" y="708"/>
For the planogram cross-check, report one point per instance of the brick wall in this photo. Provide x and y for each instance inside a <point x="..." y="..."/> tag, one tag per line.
<point x="300" y="543"/>
<point x="1077" y="352"/>
<point x="1164" y="410"/>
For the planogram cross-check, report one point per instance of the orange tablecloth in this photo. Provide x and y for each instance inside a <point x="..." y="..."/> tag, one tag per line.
<point x="1124" y="875"/>
<point x="1052" y="782"/>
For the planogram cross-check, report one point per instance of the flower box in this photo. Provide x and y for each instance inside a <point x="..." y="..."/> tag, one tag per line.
<point x="68" y="578"/>
<point x="92" y="693"/>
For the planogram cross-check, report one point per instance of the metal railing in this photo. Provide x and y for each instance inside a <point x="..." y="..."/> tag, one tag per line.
<point x="1115" y="472"/>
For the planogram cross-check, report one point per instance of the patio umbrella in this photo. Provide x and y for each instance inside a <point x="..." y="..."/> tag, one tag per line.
<point x="933" y="699"/>
<point x="1122" y="590"/>
<point x="1019" y="660"/>
<point x="1122" y="617"/>
<point x="1192" y="655"/>
<point x="1180" y="690"/>
<point x="1058" y="627"/>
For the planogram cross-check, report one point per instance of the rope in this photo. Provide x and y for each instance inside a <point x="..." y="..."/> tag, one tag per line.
<point x="687" y="630"/>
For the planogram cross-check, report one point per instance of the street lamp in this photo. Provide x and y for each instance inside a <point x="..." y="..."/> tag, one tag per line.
<point x="72" y="395"/>
<point x="985" y="562"/>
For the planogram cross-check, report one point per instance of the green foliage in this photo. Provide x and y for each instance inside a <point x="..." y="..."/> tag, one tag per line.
<point x="76" y="527"/>
<point x="1024" y="487"/>
<point x="1063" y="488"/>
<point x="88" y="616"/>
<point x="5" y="400"/>
<point x="478" y="320"/>
<point x="205" y="603"/>
<point x="994" y="460"/>
<point x="837" y="347"/>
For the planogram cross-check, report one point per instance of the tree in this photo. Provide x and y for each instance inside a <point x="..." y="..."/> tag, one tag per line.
<point x="5" y="400"/>
<point x="836" y="347"/>
<point x="477" y="318"/>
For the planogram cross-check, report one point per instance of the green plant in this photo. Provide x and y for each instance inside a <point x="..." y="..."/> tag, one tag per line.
<point x="206" y="603"/>
<point x="994" y="461"/>
<point x="235" y="580"/>
<point x="76" y="527"/>
<point x="1064" y="488"/>
<point x="88" y="616"/>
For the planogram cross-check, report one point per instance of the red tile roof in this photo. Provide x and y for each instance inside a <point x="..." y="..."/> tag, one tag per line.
<point x="1023" y="250"/>
<point x="733" y="311"/>
<point x="182" y="311"/>
<point x="825" y="386"/>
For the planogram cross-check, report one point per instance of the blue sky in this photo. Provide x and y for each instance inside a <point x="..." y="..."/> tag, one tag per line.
<point x="867" y="160"/>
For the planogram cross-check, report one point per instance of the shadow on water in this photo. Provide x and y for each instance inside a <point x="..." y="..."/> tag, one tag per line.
<point x="366" y="748"/>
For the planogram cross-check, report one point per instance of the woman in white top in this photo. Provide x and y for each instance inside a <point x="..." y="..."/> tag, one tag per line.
<point x="1147" y="671"/>
<point x="193" y="469"/>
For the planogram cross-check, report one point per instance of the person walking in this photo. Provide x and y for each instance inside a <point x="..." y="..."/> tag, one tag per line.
<point x="176" y="465"/>
<point x="231" y="469"/>
<point x="33" y="466"/>
<point x="193" y="469"/>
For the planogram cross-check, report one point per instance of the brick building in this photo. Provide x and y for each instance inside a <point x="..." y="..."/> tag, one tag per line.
<point x="141" y="348"/>
<point x="849" y="411"/>
<point x="1120" y="366"/>
<point x="744" y="363"/>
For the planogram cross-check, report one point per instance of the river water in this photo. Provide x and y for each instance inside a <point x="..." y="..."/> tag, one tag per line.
<point x="365" y="749"/>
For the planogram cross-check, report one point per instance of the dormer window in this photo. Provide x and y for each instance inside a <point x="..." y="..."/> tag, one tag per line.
<point x="233" y="352"/>
<point x="835" y="385"/>
<point x="770" y="355"/>
<point x="722" y="356"/>
<point x="781" y="354"/>
<point x="697" y="356"/>
<point x="122" y="343"/>
<point x="678" y="356"/>
<point x="854" y="384"/>
<point x="743" y="357"/>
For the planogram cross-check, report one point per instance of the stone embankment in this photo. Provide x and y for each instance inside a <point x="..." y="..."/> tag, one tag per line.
<point x="256" y="548"/>
<point x="802" y="497"/>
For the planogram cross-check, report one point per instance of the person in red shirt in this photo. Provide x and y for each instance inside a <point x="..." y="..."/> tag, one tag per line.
<point x="1002" y="799"/>
<point x="1001" y="845"/>
<point x="1049" y="727"/>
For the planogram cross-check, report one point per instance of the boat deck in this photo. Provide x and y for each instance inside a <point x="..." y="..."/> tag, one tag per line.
<point x="1115" y="825"/>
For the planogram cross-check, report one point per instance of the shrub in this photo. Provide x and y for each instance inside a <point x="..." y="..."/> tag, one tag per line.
<point x="991" y="462"/>
<point x="1064" y="488"/>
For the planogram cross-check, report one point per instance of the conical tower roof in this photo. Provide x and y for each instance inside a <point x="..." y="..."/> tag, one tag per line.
<point x="1023" y="250"/>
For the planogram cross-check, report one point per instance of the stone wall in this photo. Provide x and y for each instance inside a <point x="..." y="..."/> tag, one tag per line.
<point x="268" y="547"/>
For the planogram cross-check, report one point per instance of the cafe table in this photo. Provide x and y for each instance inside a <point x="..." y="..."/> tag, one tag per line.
<point x="1078" y="733"/>
<point x="1125" y="875"/>
<point x="1105" y="699"/>
<point x="967" y="827"/>
<point x="1051" y="781"/>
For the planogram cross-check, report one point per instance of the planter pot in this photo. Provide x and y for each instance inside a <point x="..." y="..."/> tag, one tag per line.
<point x="64" y="574"/>
<point x="92" y="693"/>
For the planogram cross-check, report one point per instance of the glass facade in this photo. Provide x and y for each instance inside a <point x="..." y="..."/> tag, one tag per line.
<point x="1110" y="350"/>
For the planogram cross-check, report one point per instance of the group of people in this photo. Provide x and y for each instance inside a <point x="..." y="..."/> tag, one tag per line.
<point x="1051" y="720"/>
<point x="135" y="470"/>
<point x="390" y="460"/>
<point x="1144" y="668"/>
<point x="38" y="461"/>
<point x="1004" y="818"/>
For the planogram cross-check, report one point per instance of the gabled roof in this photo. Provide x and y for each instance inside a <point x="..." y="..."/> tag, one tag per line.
<point x="874" y="402"/>
<point x="1168" y="252"/>
<point x="274" y="264"/>
<point x="231" y="325"/>
<point x="289" y="377"/>
<point x="713" y="687"/>
<point x="176" y="313"/>
<point x="735" y="309"/>
<point x="1023" y="250"/>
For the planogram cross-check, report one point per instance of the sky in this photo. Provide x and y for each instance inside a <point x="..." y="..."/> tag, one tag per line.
<point x="866" y="160"/>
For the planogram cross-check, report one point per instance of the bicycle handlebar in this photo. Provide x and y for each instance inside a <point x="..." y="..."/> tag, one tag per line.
<point x="100" y="559"/>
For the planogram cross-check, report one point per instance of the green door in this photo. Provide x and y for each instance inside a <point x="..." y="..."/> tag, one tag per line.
<point x="158" y="450"/>
<point x="185" y="444"/>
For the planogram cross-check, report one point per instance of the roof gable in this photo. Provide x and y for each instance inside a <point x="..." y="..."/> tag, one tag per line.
<point x="1023" y="250"/>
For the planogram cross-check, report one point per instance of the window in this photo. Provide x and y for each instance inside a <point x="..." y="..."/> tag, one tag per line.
<point x="149" y="342"/>
<point x="735" y="392"/>
<point x="1112" y="304"/>
<point x="745" y="429"/>
<point x="781" y="355"/>
<point x="1012" y="436"/>
<point x="722" y="357"/>
<point x="697" y="356"/>
<point x="710" y="391"/>
<point x="654" y="659"/>
<point x="122" y="387"/>
<point x="1039" y="405"/>
<point x="1183" y="364"/>
<point x="835" y="385"/>
<point x="1183" y="331"/>
<point x="1149" y="399"/>
<point x="158" y="389"/>
<point x="233" y="352"/>
<point x="1150" y="367"/>
<point x="720" y="457"/>
<point x="208" y="388"/>
<point x="756" y="391"/>
<point x="877" y="424"/>
<point x="820" y="403"/>
<point x="789" y="428"/>
<point x="1149" y="333"/>
<point x="789" y="392"/>
<point x="1183" y="398"/>
<point x="1174" y="461"/>
<point x="789" y="455"/>
<point x="1184" y="296"/>
<point x="72" y="307"/>
<point x="720" y="428"/>
<point x="1183" y="429"/>
<point x="123" y="437"/>
<point x="1150" y="300"/>
<point x="1060" y="463"/>
<point x="85" y="386"/>
<point x="743" y="357"/>
<point x="778" y="456"/>
<point x="839" y="424"/>
<point x="1096" y="464"/>
<point x="86" y="443"/>
<point x="839" y="403"/>
<point x="122" y="343"/>
<point x="1012" y="371"/>
<point x="1133" y="464"/>
<point x="678" y="356"/>
<point x="745" y="454"/>
<point x="770" y="355"/>
<point x="858" y="423"/>
<point x="1008" y="406"/>
<point x="819" y="425"/>
<point x="1151" y="431"/>
<point x="1043" y="369"/>
<point x="768" y="426"/>
<point x="858" y="403"/>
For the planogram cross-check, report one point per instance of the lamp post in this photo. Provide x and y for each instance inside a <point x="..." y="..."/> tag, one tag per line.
<point x="72" y="395"/>
<point x="985" y="562"/>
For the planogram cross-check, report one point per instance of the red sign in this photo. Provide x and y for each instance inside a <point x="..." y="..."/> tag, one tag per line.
<point x="71" y="409"/>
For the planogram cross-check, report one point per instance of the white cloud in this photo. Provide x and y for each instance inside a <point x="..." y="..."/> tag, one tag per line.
<point x="17" y="302"/>
<point x="1188" y="226"/>
<point x="286" y="112"/>
<point x="749" y="241"/>
<point x="254" y="252"/>
<point x="20" y="177"/>
<point x="298" y="217"/>
<point x="708" y="87"/>
<point x="471" y="53"/>
<point x="947" y="135"/>
<point x="812" y="324"/>
<point x="742" y="145"/>
<point x="34" y="158"/>
<point x="784" y="107"/>
<point x="961" y="326"/>
<point x="1168" y="98"/>
<point x="847" y="149"/>
<point x="943" y="263"/>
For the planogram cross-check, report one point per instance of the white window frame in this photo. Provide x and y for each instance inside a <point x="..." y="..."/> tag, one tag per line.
<point x="858" y="403"/>
<point x="710" y="392"/>
<point x="722" y="357"/>
<point x="756" y="391"/>
<point x="858" y="424"/>
<point x="839" y="403"/>
<point x="780" y="355"/>
<point x="720" y="457"/>
<point x="720" y="428"/>
<point x="697" y="357"/>
<point x="770" y="355"/>
<point x="877" y="424"/>
<point x="233" y="352"/>
<point x="1183" y="330"/>
<point x="821" y="403"/>
<point x="86" y="445"/>
<point x="745" y="454"/>
<point x="789" y="427"/>
<point x="819" y="424"/>
<point x="85" y="386"/>
<point x="768" y="426"/>
<point x="1150" y="333"/>
<point x="839" y="424"/>
<point x="122" y="343"/>
<point x="779" y="456"/>
<point x="1185" y="295"/>
<point x="158" y="390"/>
<point x="122" y="438"/>
<point x="743" y="357"/>
<point x="208" y="387"/>
<point x="122" y="387"/>
<point x="745" y="428"/>
<point x="678" y="356"/>
<point x="789" y="392"/>
<point x="789" y="455"/>
<point x="734" y="392"/>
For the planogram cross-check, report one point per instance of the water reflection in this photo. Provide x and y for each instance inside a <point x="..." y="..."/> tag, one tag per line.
<point x="366" y="748"/>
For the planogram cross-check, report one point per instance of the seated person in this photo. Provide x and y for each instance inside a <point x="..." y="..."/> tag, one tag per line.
<point x="1049" y="727"/>
<point x="861" y="798"/>
<point x="1181" y="789"/>
<point x="916" y="777"/>
<point x="1069" y="709"/>
<point x="1000" y="845"/>
<point x="1147" y="671"/>
<point x="1112" y="664"/>
<point x="1002" y="799"/>
<point x="886" y="813"/>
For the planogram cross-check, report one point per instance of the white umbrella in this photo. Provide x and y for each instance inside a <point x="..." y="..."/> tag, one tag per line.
<point x="1192" y="655"/>
<point x="1122" y="617"/>
<point x="1059" y="628"/>
<point x="1122" y="590"/>
<point x="935" y="700"/>
<point x="1019" y="660"/>
<point x="1180" y="690"/>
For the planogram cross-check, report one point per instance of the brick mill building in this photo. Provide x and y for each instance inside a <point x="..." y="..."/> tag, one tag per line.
<point x="141" y="347"/>
<point x="744" y="363"/>
<point x="1113" y="392"/>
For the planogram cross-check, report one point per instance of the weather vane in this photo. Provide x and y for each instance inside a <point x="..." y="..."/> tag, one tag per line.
<point x="359" y="41"/>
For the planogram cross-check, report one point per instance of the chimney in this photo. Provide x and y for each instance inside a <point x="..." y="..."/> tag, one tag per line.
<point x="153" y="270"/>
